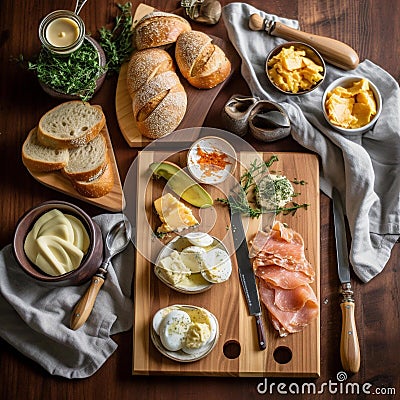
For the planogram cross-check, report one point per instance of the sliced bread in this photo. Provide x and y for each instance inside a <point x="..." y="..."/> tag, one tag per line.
<point x="98" y="186"/>
<point x="39" y="158"/>
<point x="85" y="162"/>
<point x="70" y="124"/>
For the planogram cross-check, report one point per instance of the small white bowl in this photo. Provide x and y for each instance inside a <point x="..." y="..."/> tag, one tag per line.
<point x="347" y="82"/>
<point x="207" y="173"/>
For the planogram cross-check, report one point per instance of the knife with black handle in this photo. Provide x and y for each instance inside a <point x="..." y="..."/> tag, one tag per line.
<point x="349" y="346"/>
<point x="247" y="277"/>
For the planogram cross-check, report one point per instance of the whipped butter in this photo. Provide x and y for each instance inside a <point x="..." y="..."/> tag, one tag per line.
<point x="57" y="243"/>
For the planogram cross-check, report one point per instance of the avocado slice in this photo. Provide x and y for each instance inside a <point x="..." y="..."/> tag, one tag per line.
<point x="182" y="184"/>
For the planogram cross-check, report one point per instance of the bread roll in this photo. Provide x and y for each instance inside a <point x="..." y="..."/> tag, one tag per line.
<point x="200" y="61"/>
<point x="159" y="29"/>
<point x="158" y="99"/>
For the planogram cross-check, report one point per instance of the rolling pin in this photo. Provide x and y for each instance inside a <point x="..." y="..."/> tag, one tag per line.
<point x="335" y="52"/>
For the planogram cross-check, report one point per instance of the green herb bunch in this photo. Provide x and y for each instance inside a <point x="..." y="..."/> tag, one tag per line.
<point x="75" y="74"/>
<point x="117" y="43"/>
<point x="238" y="202"/>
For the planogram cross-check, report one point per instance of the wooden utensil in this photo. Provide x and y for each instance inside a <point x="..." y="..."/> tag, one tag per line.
<point x="335" y="52"/>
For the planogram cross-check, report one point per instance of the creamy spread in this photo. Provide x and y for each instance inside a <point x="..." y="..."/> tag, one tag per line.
<point x="57" y="243"/>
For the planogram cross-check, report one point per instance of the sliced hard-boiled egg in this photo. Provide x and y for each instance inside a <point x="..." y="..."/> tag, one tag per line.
<point x="200" y="239"/>
<point x="192" y="258"/>
<point x="173" y="329"/>
<point x="217" y="266"/>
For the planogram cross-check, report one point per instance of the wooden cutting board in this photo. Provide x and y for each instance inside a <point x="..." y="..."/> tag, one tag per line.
<point x="113" y="201"/>
<point x="226" y="301"/>
<point x="199" y="101"/>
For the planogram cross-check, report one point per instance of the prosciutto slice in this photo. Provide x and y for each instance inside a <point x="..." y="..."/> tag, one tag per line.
<point x="284" y="279"/>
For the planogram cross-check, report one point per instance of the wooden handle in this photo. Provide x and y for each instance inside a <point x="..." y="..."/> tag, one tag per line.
<point x="85" y="305"/>
<point x="349" y="346"/>
<point x="260" y="333"/>
<point x="333" y="51"/>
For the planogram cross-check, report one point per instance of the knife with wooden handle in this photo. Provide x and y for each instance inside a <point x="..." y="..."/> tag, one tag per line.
<point x="349" y="346"/>
<point x="335" y="52"/>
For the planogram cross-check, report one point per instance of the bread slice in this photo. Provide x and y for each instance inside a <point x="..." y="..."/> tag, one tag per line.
<point x="71" y="124"/>
<point x="85" y="162"/>
<point x="39" y="158"/>
<point x="98" y="186"/>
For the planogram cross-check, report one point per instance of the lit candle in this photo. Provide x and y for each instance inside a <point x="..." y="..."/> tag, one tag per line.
<point x="62" y="32"/>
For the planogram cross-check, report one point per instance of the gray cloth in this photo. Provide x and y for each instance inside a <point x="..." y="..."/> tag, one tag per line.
<point x="365" y="170"/>
<point x="34" y="318"/>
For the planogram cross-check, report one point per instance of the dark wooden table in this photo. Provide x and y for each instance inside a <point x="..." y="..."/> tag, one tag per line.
<point x="372" y="28"/>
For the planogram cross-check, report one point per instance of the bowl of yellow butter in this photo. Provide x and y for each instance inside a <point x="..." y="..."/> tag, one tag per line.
<point x="57" y="242"/>
<point x="351" y="105"/>
<point x="295" y="68"/>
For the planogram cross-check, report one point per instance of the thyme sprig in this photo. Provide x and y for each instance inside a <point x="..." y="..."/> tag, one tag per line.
<point x="239" y="203"/>
<point x="117" y="42"/>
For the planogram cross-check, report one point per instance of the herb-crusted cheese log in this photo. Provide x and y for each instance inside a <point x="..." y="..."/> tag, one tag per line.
<point x="71" y="124"/>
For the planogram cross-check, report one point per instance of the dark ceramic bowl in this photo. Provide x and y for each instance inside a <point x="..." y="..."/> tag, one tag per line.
<point x="99" y="82"/>
<point x="310" y="52"/>
<point x="90" y="263"/>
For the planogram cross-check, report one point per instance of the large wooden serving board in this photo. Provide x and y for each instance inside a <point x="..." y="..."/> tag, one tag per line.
<point x="112" y="201"/>
<point x="226" y="301"/>
<point x="199" y="101"/>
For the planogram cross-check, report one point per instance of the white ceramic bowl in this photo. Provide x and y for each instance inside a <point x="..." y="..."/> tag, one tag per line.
<point x="208" y="173"/>
<point x="347" y="82"/>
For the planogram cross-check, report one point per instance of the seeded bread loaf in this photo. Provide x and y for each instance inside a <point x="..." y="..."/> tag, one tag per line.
<point x="85" y="162"/>
<point x="158" y="98"/>
<point x="201" y="62"/>
<point x="39" y="158"/>
<point x="70" y="124"/>
<point x="159" y="29"/>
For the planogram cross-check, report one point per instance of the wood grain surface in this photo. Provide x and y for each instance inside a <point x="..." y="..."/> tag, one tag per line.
<point x="369" y="26"/>
<point x="225" y="301"/>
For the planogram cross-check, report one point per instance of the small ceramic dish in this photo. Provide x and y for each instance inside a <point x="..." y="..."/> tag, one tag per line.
<point x="310" y="53"/>
<point x="180" y="355"/>
<point x="91" y="261"/>
<point x="347" y="82"/>
<point x="211" y="160"/>
<point x="196" y="282"/>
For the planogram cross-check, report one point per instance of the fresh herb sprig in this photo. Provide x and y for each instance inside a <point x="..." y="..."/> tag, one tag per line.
<point x="73" y="75"/>
<point x="117" y="42"/>
<point x="238" y="203"/>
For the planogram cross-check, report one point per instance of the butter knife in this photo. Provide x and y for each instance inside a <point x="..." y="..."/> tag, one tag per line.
<point x="349" y="346"/>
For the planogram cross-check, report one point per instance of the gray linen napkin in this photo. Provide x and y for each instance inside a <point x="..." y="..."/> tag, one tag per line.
<point x="34" y="318"/>
<point x="365" y="170"/>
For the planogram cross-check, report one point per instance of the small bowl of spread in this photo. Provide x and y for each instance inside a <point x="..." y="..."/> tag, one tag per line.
<point x="58" y="243"/>
<point x="351" y="105"/>
<point x="211" y="160"/>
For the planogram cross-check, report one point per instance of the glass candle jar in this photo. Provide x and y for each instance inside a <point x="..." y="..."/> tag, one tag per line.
<point x="62" y="32"/>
